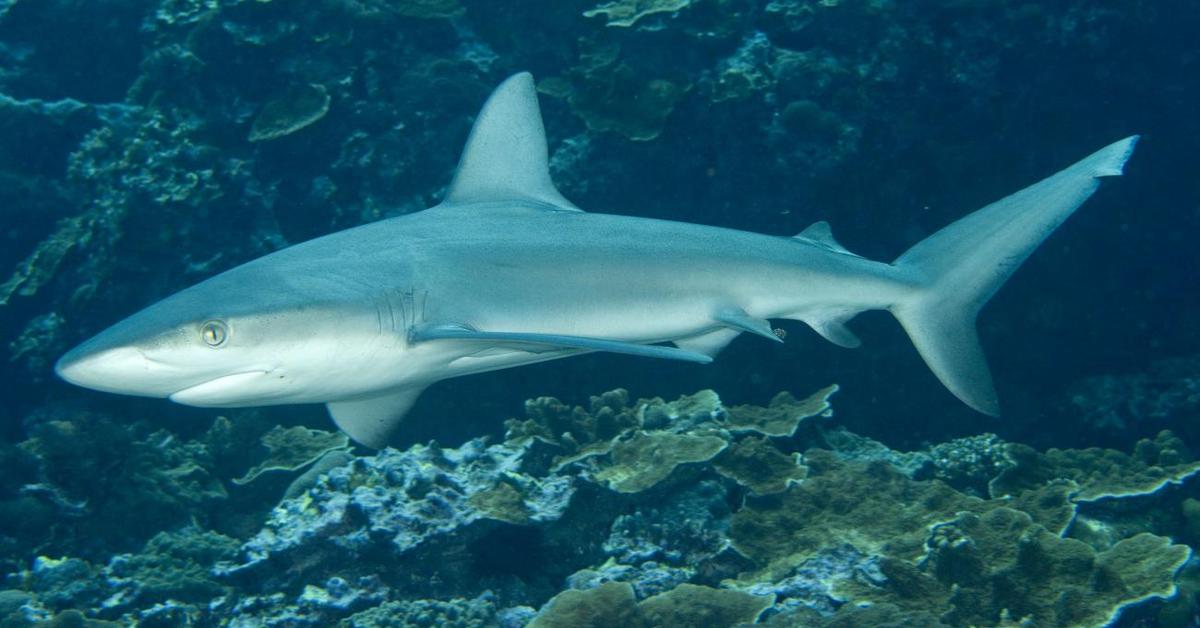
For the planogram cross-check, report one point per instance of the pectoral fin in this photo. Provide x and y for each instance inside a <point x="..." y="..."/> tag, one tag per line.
<point x="710" y="343"/>
<point x="372" y="420"/>
<point x="553" y="341"/>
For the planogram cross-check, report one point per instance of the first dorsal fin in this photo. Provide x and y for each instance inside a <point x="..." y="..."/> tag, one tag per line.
<point x="505" y="158"/>
<point x="821" y="234"/>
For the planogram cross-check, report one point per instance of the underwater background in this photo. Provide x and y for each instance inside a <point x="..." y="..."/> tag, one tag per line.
<point x="148" y="144"/>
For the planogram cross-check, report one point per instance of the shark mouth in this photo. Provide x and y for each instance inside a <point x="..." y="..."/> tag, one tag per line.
<point x="227" y="390"/>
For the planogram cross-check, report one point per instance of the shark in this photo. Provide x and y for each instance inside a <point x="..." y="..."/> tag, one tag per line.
<point x="506" y="272"/>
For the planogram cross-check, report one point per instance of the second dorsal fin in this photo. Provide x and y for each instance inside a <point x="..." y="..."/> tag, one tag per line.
<point x="821" y="234"/>
<point x="505" y="158"/>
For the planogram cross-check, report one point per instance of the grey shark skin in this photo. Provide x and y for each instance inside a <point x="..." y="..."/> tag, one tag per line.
<point x="506" y="272"/>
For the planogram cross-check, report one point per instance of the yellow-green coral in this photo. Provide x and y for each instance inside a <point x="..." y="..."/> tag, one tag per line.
<point x="502" y="502"/>
<point x="427" y="8"/>
<point x="609" y="94"/>
<point x="293" y="448"/>
<point x="41" y="265"/>
<point x="610" y="604"/>
<point x="301" y="107"/>
<point x="871" y="506"/>
<point x="701" y="406"/>
<point x="1101" y="473"/>
<point x="613" y="604"/>
<point x="783" y="415"/>
<point x="607" y="415"/>
<point x="1003" y="561"/>
<point x="694" y="605"/>
<point x="759" y="466"/>
<point x="628" y="12"/>
<point x="649" y="457"/>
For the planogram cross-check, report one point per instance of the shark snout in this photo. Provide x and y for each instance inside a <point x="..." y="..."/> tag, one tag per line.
<point x="117" y="369"/>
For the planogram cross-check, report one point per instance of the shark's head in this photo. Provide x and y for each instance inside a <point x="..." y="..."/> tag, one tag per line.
<point x="243" y="338"/>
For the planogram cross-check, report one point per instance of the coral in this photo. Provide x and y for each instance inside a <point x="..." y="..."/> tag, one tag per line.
<point x="809" y="586"/>
<point x="611" y="95"/>
<point x="455" y="613"/>
<point x="408" y="502"/>
<point x="783" y="415"/>
<point x="693" y="605"/>
<point x="294" y="448"/>
<point x="66" y="583"/>
<point x="868" y="505"/>
<point x="174" y="566"/>
<point x="330" y="460"/>
<point x="971" y="463"/>
<point x="759" y="466"/>
<point x="428" y="9"/>
<point x="745" y="73"/>
<point x="302" y="106"/>
<point x="687" y="411"/>
<point x="684" y="529"/>
<point x="1168" y="392"/>
<point x="606" y="416"/>
<point x="123" y="482"/>
<point x="610" y="604"/>
<point x="613" y="604"/>
<point x="481" y="534"/>
<point x="1002" y="562"/>
<point x="41" y="265"/>
<point x="628" y="12"/>
<point x="649" y="458"/>
<point x="849" y="446"/>
<point x="647" y="578"/>
<point x="1101" y="473"/>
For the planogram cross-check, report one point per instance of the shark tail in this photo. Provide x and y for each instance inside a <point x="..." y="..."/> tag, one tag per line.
<point x="961" y="266"/>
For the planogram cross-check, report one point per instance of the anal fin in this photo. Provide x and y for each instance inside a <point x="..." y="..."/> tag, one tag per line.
<point x="372" y="420"/>
<point x="833" y="329"/>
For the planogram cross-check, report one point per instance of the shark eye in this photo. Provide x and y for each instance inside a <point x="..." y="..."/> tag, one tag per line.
<point x="214" y="333"/>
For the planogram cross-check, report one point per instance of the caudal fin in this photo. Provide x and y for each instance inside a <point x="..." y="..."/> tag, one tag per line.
<point x="963" y="265"/>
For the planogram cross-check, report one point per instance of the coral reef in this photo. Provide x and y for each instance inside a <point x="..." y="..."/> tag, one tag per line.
<point x="295" y="448"/>
<point x="656" y="513"/>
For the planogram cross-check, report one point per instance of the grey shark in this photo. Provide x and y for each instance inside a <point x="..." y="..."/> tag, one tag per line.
<point x="506" y="272"/>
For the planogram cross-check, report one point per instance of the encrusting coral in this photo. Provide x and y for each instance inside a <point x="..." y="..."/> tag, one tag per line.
<point x="659" y="513"/>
